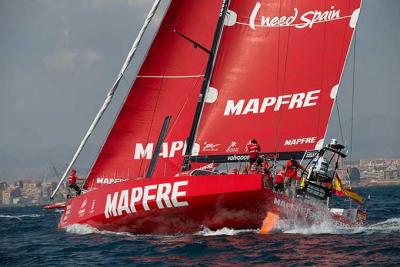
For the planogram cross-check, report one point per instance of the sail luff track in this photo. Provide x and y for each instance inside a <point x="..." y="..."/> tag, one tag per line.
<point x="110" y="94"/>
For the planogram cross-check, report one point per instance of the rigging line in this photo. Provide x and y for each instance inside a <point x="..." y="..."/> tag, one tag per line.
<point x="110" y="94"/>
<point x="131" y="85"/>
<point x="155" y="109"/>
<point x="340" y="121"/>
<point x="277" y="122"/>
<point x="185" y="103"/>
<point x="352" y="95"/>
<point x="123" y="77"/>
<point x="322" y="75"/>
<point x="339" y="73"/>
<point x="284" y="78"/>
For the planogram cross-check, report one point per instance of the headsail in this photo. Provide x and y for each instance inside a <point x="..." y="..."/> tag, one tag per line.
<point x="168" y="84"/>
<point x="276" y="75"/>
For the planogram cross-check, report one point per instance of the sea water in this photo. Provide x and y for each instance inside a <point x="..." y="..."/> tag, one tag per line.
<point x="29" y="237"/>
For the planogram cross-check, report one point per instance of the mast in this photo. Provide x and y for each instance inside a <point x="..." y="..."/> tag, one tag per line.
<point x="205" y="85"/>
<point x="111" y="93"/>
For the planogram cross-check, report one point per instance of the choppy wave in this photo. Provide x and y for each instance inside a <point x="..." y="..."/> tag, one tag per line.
<point x="391" y="225"/>
<point x="19" y="217"/>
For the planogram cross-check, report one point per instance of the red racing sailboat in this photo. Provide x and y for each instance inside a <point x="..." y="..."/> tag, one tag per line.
<point x="214" y="78"/>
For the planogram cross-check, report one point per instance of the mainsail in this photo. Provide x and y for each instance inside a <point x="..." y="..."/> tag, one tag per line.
<point x="276" y="76"/>
<point x="167" y="84"/>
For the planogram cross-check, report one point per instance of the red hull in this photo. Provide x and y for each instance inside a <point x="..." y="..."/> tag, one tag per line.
<point x="233" y="201"/>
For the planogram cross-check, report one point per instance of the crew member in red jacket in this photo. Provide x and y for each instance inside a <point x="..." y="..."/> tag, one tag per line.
<point x="72" y="182"/>
<point x="254" y="149"/>
<point x="279" y="177"/>
<point x="292" y="166"/>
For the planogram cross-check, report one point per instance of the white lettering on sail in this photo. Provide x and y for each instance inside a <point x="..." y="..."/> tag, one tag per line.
<point x="300" y="141"/>
<point x="307" y="19"/>
<point x="168" y="150"/>
<point x="128" y="200"/>
<point x="294" y="101"/>
<point x="110" y="180"/>
<point x="232" y="108"/>
<point x="141" y="153"/>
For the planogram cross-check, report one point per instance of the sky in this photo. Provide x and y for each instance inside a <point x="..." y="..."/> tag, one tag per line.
<point x="58" y="59"/>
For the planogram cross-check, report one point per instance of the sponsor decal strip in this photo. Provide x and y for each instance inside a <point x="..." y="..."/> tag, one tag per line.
<point x="245" y="157"/>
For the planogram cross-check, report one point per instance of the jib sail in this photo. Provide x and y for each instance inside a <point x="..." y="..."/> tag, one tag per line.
<point x="276" y="75"/>
<point x="167" y="84"/>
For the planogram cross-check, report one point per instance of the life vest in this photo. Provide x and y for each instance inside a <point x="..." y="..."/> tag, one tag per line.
<point x="253" y="150"/>
<point x="279" y="177"/>
<point x="291" y="169"/>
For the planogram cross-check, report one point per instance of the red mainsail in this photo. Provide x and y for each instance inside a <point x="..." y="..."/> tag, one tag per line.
<point x="168" y="83"/>
<point x="276" y="75"/>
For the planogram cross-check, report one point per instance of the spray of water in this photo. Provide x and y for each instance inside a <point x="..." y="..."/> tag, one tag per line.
<point x="224" y="231"/>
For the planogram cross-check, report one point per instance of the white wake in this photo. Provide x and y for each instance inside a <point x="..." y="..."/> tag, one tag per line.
<point x="329" y="227"/>
<point x="326" y="227"/>
<point x="224" y="231"/>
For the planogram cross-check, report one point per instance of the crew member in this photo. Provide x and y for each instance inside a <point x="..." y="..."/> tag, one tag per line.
<point x="254" y="149"/>
<point x="292" y="166"/>
<point x="72" y="182"/>
<point x="279" y="177"/>
<point x="267" y="172"/>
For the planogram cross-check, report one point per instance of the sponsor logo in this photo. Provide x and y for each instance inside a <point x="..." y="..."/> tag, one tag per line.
<point x="67" y="212"/>
<point x="168" y="150"/>
<point x="258" y="105"/>
<point x="210" y="147"/>
<point x="291" y="207"/>
<point x="232" y="148"/>
<point x="238" y="158"/>
<point x="130" y="200"/>
<point x="301" y="141"/>
<point x="92" y="206"/>
<point x="82" y="210"/>
<point x="299" y="21"/>
<point x="110" y="180"/>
